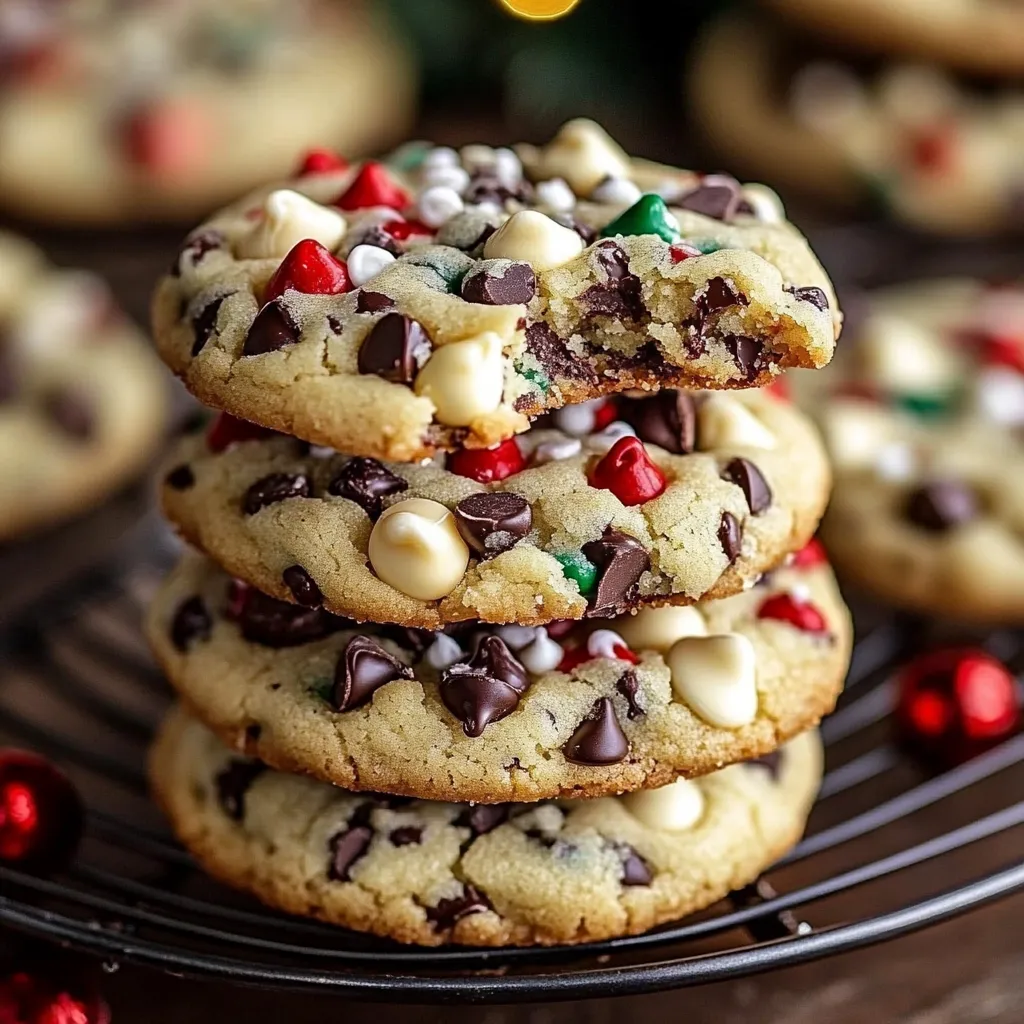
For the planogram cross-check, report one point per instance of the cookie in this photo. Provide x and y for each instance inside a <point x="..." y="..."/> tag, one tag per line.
<point x="505" y="713"/>
<point x="82" y="403"/>
<point x="984" y="36"/>
<point x="924" y="419"/>
<point x="578" y="517"/>
<point x="437" y="873"/>
<point x="166" y="106"/>
<point x="443" y="298"/>
<point x="930" y="151"/>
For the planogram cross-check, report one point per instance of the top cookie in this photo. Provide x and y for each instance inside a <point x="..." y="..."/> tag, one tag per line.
<point x="444" y="298"/>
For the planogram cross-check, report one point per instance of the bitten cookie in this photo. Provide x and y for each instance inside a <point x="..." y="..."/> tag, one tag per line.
<point x="171" y="109"/>
<point x="923" y="418"/>
<point x="82" y="403"/>
<point x="578" y="517"/>
<point x="436" y="873"/>
<point x="443" y="298"/>
<point x="931" y="151"/>
<point x="505" y="713"/>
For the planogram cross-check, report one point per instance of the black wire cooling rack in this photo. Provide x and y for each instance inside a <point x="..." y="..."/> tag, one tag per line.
<point x="890" y="849"/>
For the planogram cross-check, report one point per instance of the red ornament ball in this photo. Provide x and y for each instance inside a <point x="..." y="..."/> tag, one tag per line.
<point x="955" y="703"/>
<point x="487" y="465"/>
<point x="311" y="269"/>
<point x="41" y="814"/>
<point x="628" y="472"/>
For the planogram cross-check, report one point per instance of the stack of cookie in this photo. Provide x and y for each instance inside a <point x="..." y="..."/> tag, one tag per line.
<point x="913" y="108"/>
<point x="489" y="613"/>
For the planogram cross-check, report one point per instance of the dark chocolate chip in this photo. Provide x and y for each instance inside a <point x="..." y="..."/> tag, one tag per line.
<point x="767" y="927"/>
<point x="363" y="668"/>
<point x="181" y="478"/>
<point x="516" y="284"/>
<point x="407" y="835"/>
<point x="395" y="349"/>
<point x="233" y="783"/>
<point x="475" y="698"/>
<point x="302" y="586"/>
<point x="629" y="686"/>
<point x="70" y="412"/>
<point x="717" y="196"/>
<point x="346" y="848"/>
<point x="483" y="818"/>
<point x="377" y="236"/>
<point x="373" y="302"/>
<point x="269" y="490"/>
<point x="730" y="535"/>
<point x="599" y="738"/>
<point x="718" y="294"/>
<point x="745" y="475"/>
<point x="771" y="762"/>
<point x="621" y="560"/>
<point x="815" y="296"/>
<point x="492" y="522"/>
<point x="272" y="329"/>
<point x="585" y="231"/>
<point x="493" y="657"/>
<point x="196" y="247"/>
<point x="635" y="870"/>
<point x="942" y="505"/>
<point x="555" y="358"/>
<point x="448" y="912"/>
<point x="620" y="294"/>
<point x="191" y="622"/>
<point x="667" y="419"/>
<point x="613" y="260"/>
<point x="366" y="482"/>
<point x="747" y="353"/>
<point x="204" y="323"/>
<point x="271" y="623"/>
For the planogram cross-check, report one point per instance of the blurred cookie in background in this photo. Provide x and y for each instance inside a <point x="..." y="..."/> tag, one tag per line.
<point x="923" y="415"/>
<point x="933" y="152"/>
<point x="114" y="113"/>
<point x="985" y="36"/>
<point x="82" y="401"/>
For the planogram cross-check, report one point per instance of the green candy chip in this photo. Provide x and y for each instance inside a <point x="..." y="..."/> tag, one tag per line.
<point x="576" y="567"/>
<point x="647" y="216"/>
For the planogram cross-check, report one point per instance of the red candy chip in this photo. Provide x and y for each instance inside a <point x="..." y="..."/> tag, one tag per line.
<point x="238" y="594"/>
<point x="573" y="657"/>
<point x="604" y="414"/>
<point x="227" y="430"/>
<point x="623" y="653"/>
<point x="801" y="615"/>
<point x="487" y="465"/>
<point x="170" y="139"/>
<point x="956" y="703"/>
<point x="400" y="230"/>
<point x="780" y="389"/>
<point x="683" y="251"/>
<point x="373" y="186"/>
<point x="810" y="555"/>
<point x="628" y="472"/>
<point x="311" y="269"/>
<point x="1003" y="351"/>
<point x="321" y="161"/>
<point x="933" y="150"/>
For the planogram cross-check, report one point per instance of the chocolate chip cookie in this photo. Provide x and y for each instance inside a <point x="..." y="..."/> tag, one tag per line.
<point x="600" y="508"/>
<point x="502" y="713"/>
<point x="82" y="403"/>
<point x="923" y="418"/>
<point x="436" y="873"/>
<point x="444" y="298"/>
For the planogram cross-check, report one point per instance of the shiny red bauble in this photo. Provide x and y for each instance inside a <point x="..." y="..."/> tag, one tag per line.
<point x="487" y="465"/>
<point x="311" y="269"/>
<point x="955" y="703"/>
<point x="628" y="472"/>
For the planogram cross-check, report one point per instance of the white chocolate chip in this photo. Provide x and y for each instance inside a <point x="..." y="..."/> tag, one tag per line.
<point x="555" y="451"/>
<point x="542" y="655"/>
<point x="676" y="807"/>
<point x="438" y="157"/>
<point x="508" y="168"/>
<point x="444" y="651"/>
<point x="855" y="431"/>
<point x="516" y="636"/>
<point x="727" y="423"/>
<point x="476" y="157"/>
<point x="584" y="155"/>
<point x="657" y="629"/>
<point x="438" y="204"/>
<point x="895" y="461"/>
<point x="902" y="355"/>
<point x="616" y="192"/>
<point x="602" y="643"/>
<point x="826" y="97"/>
<point x="767" y="205"/>
<point x="455" y="177"/>
<point x="464" y="379"/>
<point x="533" y="236"/>
<point x="365" y="262"/>
<point x="321" y="451"/>
<point x="416" y="548"/>
<point x="999" y="395"/>
<point x="715" y="676"/>
<point x="555" y="194"/>
<point x="578" y="419"/>
<point x="289" y="218"/>
<point x="603" y="440"/>
<point x="916" y="96"/>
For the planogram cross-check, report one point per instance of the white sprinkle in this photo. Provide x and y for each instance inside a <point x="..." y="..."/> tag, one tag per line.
<point x="895" y="461"/>
<point x="578" y="420"/>
<point x="555" y="194"/>
<point x="555" y="451"/>
<point x="438" y="204"/>
<point x="440" y="156"/>
<point x="602" y="643"/>
<point x="999" y="395"/>
<point x="603" y="440"/>
<point x="542" y="655"/>
<point x="618" y="191"/>
<point x="507" y="167"/>
<point x="444" y="651"/>
<point x="365" y="262"/>
<point x="516" y="636"/>
<point x="453" y="177"/>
